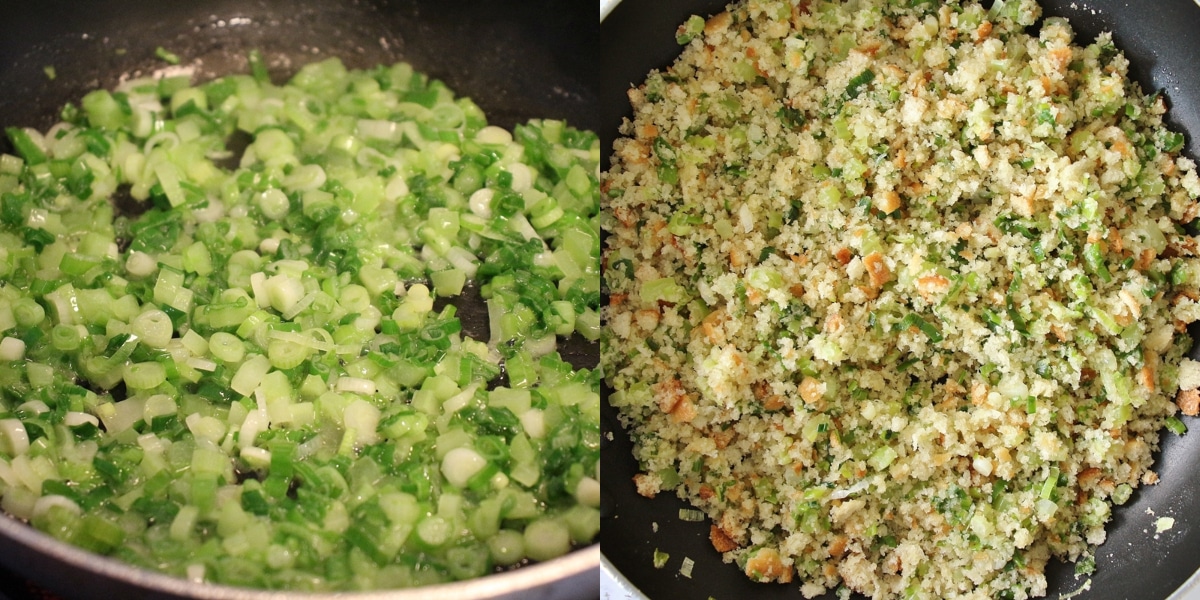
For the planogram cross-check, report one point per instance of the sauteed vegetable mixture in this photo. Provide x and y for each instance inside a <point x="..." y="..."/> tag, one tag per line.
<point x="229" y="346"/>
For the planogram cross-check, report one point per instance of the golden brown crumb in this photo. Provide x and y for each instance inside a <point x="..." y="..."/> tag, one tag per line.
<point x="720" y="540"/>
<point x="1189" y="402"/>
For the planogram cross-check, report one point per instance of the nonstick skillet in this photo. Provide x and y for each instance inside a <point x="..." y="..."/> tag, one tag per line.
<point x="1162" y="41"/>
<point x="517" y="59"/>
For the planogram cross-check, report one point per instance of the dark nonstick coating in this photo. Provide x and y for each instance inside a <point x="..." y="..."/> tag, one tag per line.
<point x="1163" y="47"/>
<point x="517" y="59"/>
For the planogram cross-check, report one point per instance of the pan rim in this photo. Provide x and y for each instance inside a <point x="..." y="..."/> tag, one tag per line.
<point x="515" y="583"/>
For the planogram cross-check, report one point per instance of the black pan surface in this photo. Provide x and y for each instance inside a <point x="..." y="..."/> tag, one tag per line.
<point x="517" y="59"/>
<point x="1162" y="43"/>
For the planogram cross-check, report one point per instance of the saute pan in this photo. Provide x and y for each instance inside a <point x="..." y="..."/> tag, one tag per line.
<point x="1162" y="41"/>
<point x="518" y="60"/>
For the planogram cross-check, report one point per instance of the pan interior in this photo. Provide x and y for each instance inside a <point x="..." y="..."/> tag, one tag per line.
<point x="518" y="60"/>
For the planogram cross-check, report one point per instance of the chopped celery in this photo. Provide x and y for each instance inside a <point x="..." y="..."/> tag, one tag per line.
<point x="167" y="55"/>
<point x="247" y="381"/>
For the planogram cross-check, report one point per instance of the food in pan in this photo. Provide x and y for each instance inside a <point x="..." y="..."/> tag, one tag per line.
<point x="898" y="291"/>
<point x="229" y="342"/>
